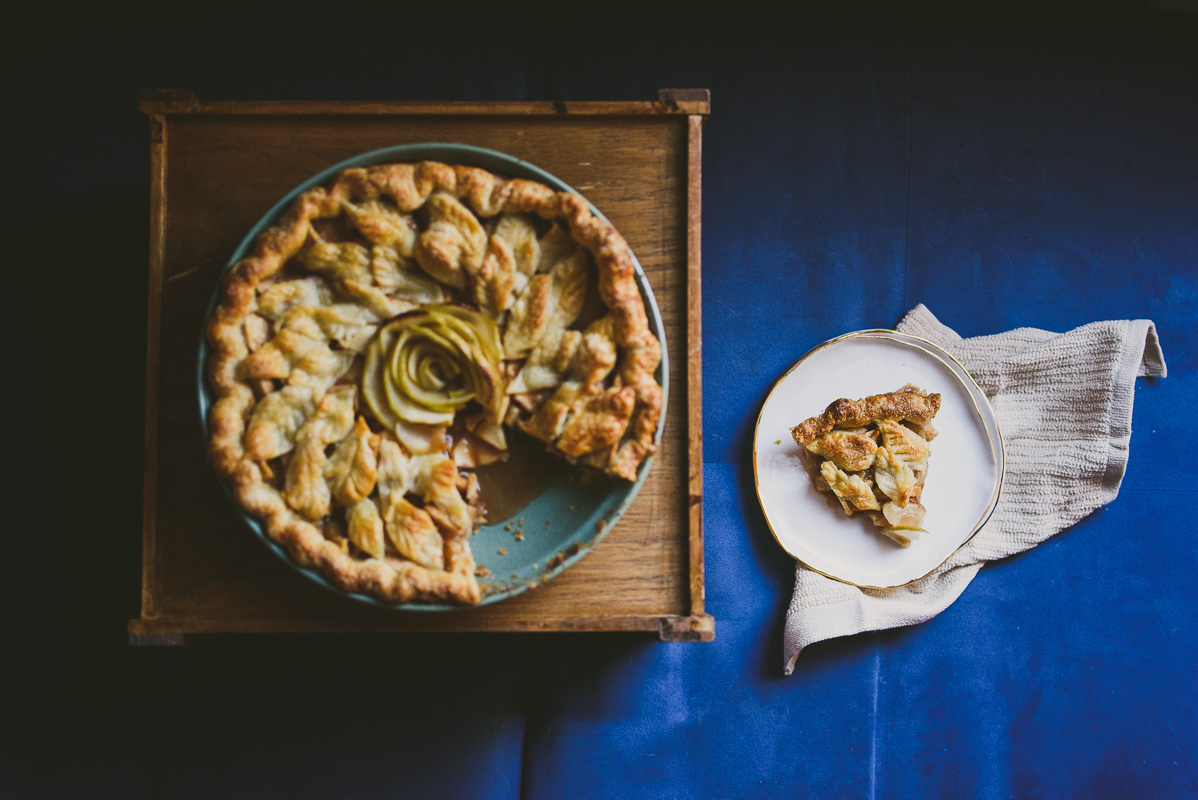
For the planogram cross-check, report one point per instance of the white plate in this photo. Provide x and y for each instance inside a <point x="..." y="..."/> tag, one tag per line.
<point x="965" y="469"/>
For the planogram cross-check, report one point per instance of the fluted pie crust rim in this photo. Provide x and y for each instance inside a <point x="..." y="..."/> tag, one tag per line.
<point x="408" y="186"/>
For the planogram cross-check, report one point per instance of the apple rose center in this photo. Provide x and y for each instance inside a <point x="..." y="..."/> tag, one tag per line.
<point x="425" y="365"/>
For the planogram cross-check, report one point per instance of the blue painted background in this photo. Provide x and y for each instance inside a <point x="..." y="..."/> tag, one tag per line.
<point x="1023" y="170"/>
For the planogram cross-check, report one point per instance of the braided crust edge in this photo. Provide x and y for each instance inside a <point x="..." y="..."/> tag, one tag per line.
<point x="908" y="403"/>
<point x="409" y="186"/>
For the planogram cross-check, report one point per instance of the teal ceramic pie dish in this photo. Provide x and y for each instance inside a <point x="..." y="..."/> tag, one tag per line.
<point x="568" y="512"/>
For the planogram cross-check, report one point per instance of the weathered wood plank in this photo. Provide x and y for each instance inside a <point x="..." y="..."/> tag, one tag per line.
<point x="670" y="101"/>
<point x="153" y="327"/>
<point x="694" y="358"/>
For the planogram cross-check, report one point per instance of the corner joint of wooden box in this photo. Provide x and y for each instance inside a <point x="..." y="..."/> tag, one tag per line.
<point x="696" y="628"/>
<point x="139" y="636"/>
<point x="687" y="101"/>
<point x="168" y="101"/>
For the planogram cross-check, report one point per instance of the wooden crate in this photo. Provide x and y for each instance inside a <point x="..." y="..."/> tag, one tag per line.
<point x="217" y="167"/>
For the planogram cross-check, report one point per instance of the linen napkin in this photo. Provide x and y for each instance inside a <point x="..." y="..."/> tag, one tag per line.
<point x="1040" y="385"/>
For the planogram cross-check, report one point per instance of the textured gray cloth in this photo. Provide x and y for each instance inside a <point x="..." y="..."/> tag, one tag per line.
<point x="1063" y="402"/>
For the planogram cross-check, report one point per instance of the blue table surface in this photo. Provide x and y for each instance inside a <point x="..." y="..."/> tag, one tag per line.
<point x="1020" y="172"/>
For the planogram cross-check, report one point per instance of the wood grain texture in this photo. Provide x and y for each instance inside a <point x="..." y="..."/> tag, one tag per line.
<point x="206" y="573"/>
<point x="182" y="101"/>
<point x="694" y="356"/>
<point x="153" y="326"/>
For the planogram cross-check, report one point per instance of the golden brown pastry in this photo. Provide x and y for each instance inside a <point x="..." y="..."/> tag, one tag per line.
<point x="872" y="455"/>
<point x="381" y="337"/>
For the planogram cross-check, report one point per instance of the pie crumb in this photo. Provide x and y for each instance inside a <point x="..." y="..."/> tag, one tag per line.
<point x="503" y="551"/>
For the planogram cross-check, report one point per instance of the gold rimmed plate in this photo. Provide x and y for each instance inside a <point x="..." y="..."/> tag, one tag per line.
<point x="965" y="470"/>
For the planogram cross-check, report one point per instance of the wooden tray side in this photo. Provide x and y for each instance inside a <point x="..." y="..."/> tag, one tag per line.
<point x="694" y="358"/>
<point x="204" y="574"/>
<point x="669" y="101"/>
<point x="153" y="327"/>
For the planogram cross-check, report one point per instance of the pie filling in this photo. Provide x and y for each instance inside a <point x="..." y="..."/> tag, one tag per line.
<point x="872" y="456"/>
<point x="390" y="334"/>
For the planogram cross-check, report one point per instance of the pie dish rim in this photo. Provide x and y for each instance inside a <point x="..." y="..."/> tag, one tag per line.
<point x="605" y="513"/>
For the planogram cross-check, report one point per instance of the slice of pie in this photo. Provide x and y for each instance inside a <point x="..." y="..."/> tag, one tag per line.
<point x="389" y="334"/>
<point x="872" y="455"/>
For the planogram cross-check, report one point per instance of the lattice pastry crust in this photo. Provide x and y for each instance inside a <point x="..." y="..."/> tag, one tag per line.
<point x="314" y="331"/>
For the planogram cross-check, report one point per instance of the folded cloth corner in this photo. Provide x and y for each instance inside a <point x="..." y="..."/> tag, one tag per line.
<point x="1036" y="380"/>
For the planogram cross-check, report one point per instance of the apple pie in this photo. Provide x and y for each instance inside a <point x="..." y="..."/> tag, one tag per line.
<point x="387" y="336"/>
<point x="872" y="456"/>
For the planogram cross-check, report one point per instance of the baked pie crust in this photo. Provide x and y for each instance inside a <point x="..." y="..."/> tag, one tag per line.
<point x="872" y="456"/>
<point x="384" y="337"/>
